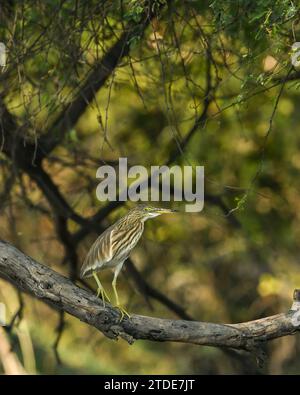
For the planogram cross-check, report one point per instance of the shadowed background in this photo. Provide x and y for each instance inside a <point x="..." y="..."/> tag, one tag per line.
<point x="158" y="82"/>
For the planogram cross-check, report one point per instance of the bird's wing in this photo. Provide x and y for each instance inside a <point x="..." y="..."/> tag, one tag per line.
<point x="106" y="247"/>
<point x="99" y="254"/>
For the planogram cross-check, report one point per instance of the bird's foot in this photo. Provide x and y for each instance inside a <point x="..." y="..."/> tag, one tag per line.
<point x="122" y="311"/>
<point x="101" y="291"/>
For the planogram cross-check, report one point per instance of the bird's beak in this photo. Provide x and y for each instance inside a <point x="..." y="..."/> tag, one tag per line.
<point x="166" y="211"/>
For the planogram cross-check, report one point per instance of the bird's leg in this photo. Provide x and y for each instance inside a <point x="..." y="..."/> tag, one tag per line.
<point x="100" y="289"/>
<point x="114" y="286"/>
<point x="118" y="306"/>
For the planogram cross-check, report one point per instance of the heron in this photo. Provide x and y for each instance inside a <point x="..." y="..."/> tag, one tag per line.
<point x="114" y="245"/>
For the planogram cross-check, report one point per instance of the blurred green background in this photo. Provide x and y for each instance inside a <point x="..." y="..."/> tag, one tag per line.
<point x="238" y="259"/>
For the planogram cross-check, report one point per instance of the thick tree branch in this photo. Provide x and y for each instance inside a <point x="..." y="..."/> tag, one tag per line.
<point x="54" y="289"/>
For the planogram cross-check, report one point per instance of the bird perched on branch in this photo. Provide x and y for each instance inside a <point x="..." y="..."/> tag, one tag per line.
<point x="114" y="246"/>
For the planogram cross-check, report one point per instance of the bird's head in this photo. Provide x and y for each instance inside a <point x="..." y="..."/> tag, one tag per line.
<point x="144" y="211"/>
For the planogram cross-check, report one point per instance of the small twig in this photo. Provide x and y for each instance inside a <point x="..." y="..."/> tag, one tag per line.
<point x="18" y="314"/>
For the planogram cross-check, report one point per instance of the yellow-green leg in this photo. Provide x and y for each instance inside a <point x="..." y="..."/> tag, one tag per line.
<point x="100" y="289"/>
<point x="114" y="286"/>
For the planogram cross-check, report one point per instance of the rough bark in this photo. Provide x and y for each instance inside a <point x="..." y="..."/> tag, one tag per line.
<point x="31" y="277"/>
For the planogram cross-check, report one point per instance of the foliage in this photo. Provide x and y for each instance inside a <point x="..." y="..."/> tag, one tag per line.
<point x="238" y="259"/>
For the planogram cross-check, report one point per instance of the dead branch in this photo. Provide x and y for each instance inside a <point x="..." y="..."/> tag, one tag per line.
<point x="31" y="277"/>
